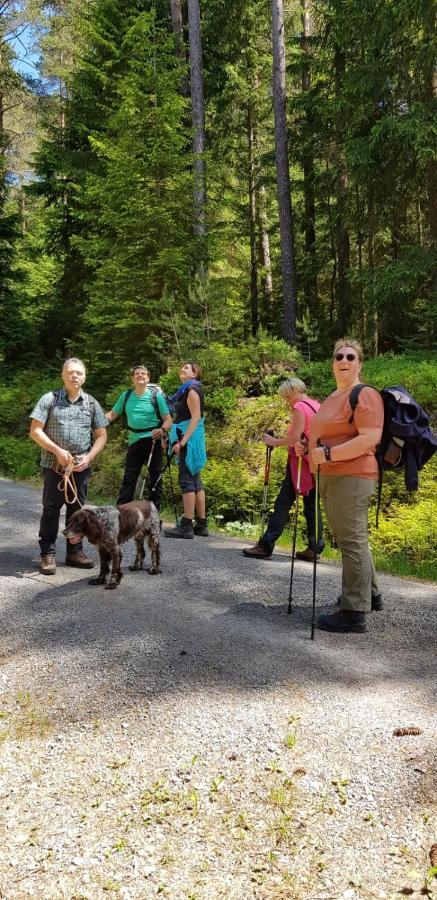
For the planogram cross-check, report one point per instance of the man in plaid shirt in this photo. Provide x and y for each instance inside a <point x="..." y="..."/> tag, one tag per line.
<point x="65" y="424"/>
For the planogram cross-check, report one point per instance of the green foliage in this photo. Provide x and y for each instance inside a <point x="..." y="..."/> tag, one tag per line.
<point x="17" y="398"/>
<point x="19" y="457"/>
<point x="221" y="403"/>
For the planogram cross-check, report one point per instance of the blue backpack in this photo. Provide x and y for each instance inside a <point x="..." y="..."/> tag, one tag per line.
<point x="407" y="441"/>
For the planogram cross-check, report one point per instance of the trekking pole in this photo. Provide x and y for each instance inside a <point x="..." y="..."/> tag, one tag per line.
<point x="296" y="514"/>
<point x="316" y="500"/>
<point x="264" y="505"/>
<point x="148" y="468"/>
<point x="164" y="469"/>
<point x="173" y="495"/>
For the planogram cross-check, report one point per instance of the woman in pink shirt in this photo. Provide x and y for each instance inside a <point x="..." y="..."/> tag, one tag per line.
<point x="302" y="409"/>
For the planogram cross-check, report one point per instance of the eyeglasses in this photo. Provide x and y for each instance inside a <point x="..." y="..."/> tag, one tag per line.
<point x="349" y="356"/>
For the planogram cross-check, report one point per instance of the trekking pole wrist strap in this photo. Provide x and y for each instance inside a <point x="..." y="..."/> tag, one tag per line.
<point x="326" y="450"/>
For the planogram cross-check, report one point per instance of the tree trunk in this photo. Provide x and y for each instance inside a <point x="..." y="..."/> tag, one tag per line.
<point x="374" y="324"/>
<point x="310" y="284"/>
<point x="283" y="175"/>
<point x="178" y="33"/>
<point x="177" y="26"/>
<point x="252" y="224"/>
<point x="198" y="117"/>
<point x="264" y="247"/>
<point x="343" y="293"/>
<point x="430" y="100"/>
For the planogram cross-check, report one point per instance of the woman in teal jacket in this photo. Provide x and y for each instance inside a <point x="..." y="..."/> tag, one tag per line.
<point x="187" y="439"/>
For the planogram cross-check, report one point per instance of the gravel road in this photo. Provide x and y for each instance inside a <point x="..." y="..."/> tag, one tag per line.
<point x="182" y="736"/>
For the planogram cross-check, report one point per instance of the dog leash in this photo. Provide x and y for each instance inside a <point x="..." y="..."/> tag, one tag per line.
<point x="67" y="484"/>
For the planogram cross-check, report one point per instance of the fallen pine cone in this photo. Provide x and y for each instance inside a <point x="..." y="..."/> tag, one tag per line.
<point x="410" y="729"/>
<point x="433" y="855"/>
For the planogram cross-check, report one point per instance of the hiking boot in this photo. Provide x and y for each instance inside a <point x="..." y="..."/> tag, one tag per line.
<point x="183" y="530"/>
<point x="343" y="620"/>
<point x="306" y="555"/>
<point x="47" y="564"/>
<point x="377" y="603"/>
<point x="257" y="552"/>
<point x="201" y="528"/>
<point x="79" y="560"/>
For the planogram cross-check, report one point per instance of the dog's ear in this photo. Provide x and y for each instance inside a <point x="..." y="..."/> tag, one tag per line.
<point x="92" y="525"/>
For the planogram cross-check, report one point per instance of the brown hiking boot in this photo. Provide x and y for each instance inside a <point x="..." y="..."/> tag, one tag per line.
<point x="257" y="552"/>
<point x="306" y="555"/>
<point x="47" y="564"/>
<point x="79" y="561"/>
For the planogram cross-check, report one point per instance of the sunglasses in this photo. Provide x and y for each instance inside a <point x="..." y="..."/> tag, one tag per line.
<point x="349" y="356"/>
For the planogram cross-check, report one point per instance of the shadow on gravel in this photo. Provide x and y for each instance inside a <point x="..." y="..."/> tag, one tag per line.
<point x="213" y="618"/>
<point x="143" y="639"/>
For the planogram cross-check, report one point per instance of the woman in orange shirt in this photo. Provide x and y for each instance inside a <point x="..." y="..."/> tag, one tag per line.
<point x="343" y="446"/>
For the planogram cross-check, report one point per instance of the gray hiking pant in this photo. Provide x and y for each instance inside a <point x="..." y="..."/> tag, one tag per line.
<point x="346" y="500"/>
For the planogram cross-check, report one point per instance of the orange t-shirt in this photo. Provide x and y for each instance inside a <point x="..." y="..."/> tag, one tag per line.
<point x="331" y="425"/>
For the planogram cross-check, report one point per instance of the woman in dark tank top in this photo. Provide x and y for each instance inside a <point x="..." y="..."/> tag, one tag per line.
<point x="188" y="443"/>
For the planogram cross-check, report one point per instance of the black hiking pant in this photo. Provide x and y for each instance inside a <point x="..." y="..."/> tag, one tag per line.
<point x="281" y="512"/>
<point x="137" y="455"/>
<point x="52" y="503"/>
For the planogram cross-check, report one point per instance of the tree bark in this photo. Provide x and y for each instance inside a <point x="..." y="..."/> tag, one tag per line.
<point x="430" y="100"/>
<point x="283" y="175"/>
<point x="310" y="283"/>
<point x="254" y="322"/>
<point x="177" y="26"/>
<point x="178" y="33"/>
<point x="343" y="293"/>
<point x="198" y="118"/>
<point x="264" y="247"/>
<point x="374" y="324"/>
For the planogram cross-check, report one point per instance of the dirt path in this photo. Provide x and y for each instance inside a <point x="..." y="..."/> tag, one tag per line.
<point x="182" y="736"/>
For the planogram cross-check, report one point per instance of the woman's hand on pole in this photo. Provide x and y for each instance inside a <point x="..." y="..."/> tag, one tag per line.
<point x="269" y="440"/>
<point x="301" y="447"/>
<point x="318" y="456"/>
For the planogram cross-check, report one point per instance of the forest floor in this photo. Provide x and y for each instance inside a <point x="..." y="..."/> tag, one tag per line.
<point x="183" y="737"/>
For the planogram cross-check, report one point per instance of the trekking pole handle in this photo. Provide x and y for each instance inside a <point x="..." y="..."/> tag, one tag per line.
<point x="299" y="474"/>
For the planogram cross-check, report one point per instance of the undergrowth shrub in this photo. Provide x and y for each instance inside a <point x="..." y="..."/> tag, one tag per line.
<point x="19" y="458"/>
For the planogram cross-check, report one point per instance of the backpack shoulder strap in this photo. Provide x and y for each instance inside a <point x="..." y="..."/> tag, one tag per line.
<point x="56" y="396"/>
<point x="126" y="398"/>
<point x="154" y="391"/>
<point x="354" y="397"/>
<point x="308" y="404"/>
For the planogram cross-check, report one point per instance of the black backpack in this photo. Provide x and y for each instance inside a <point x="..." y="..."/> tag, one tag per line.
<point x="154" y="391"/>
<point x="407" y="441"/>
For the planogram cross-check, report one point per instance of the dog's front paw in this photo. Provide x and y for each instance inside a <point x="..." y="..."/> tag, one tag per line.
<point x="152" y="570"/>
<point x="111" y="586"/>
<point x="98" y="580"/>
<point x="136" y="567"/>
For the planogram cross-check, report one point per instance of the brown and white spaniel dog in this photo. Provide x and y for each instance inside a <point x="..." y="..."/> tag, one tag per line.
<point x="109" y="526"/>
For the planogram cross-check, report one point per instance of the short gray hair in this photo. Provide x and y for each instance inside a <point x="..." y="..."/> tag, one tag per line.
<point x="292" y="385"/>
<point x="75" y="361"/>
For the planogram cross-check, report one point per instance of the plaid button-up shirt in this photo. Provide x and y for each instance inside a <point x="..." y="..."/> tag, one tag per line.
<point x="69" y="425"/>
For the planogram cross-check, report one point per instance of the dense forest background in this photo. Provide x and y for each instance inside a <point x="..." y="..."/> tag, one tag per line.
<point x="176" y="173"/>
<point x="234" y="180"/>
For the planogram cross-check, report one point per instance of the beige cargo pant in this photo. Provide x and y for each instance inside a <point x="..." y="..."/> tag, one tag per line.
<point x="346" y="500"/>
